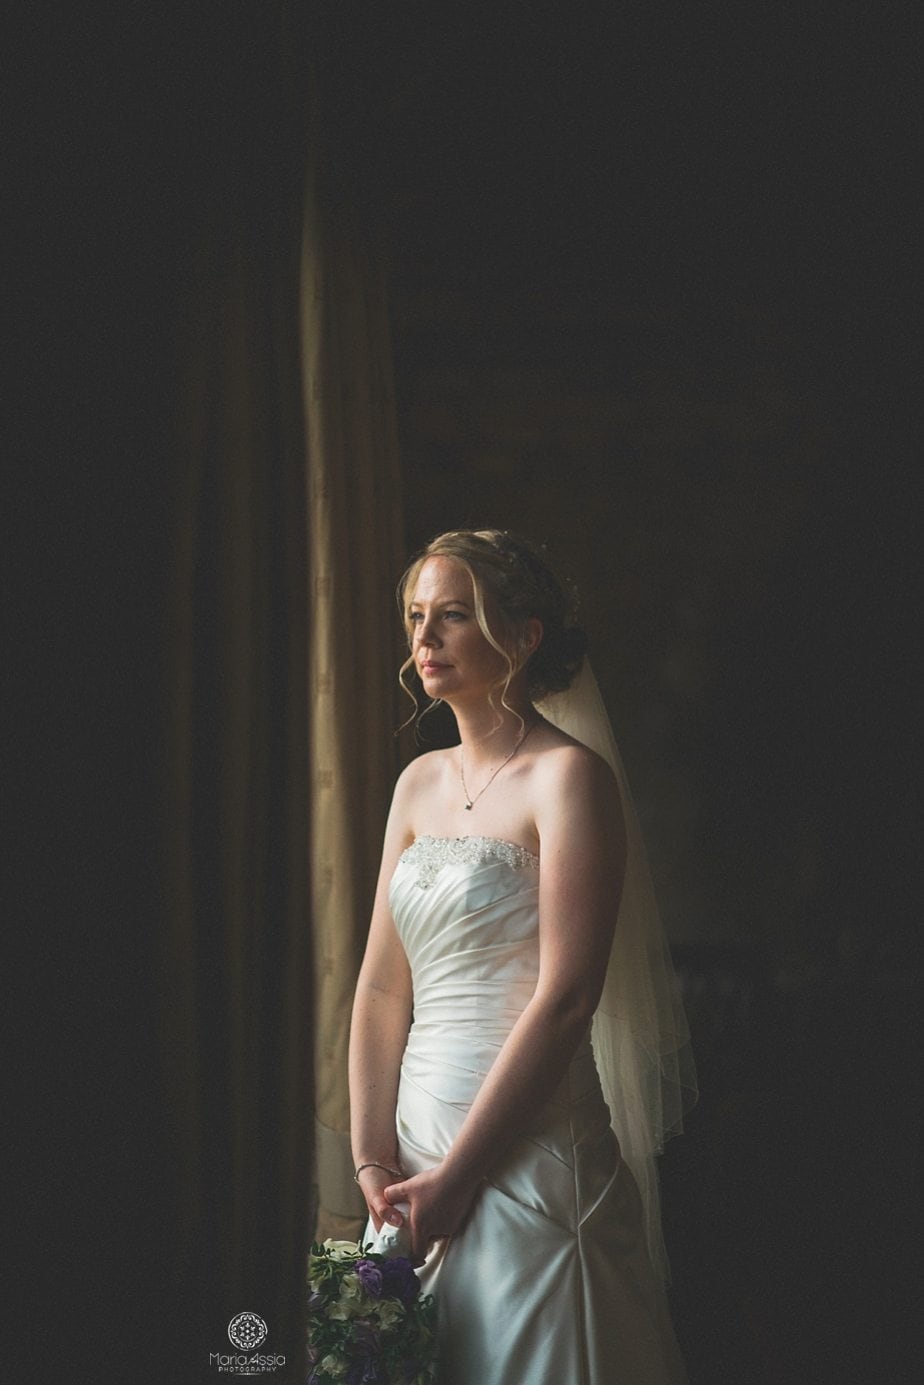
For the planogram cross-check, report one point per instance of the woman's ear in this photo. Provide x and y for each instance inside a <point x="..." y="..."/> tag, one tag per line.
<point x="532" y="635"/>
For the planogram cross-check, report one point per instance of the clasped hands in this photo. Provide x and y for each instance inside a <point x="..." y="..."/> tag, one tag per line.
<point x="438" y="1206"/>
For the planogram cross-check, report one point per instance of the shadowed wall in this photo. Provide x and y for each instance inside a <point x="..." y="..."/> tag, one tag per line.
<point x="649" y="287"/>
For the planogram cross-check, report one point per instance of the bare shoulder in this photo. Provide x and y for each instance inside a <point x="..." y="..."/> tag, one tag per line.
<point x="423" y="770"/>
<point x="577" y="798"/>
<point x="421" y="778"/>
<point x="566" y="766"/>
<point x="415" y="785"/>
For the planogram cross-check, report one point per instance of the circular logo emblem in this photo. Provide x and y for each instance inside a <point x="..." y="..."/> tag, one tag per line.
<point x="247" y="1331"/>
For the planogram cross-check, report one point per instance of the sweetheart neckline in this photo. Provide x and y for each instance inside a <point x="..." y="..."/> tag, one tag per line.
<point x="470" y="837"/>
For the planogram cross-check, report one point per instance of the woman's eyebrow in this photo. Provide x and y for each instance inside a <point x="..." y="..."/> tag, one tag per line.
<point x="449" y="601"/>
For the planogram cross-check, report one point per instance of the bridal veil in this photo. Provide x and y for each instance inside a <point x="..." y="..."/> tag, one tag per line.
<point x="640" y="1035"/>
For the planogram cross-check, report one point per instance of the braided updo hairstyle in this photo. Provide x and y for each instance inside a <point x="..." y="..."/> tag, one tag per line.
<point x="521" y="586"/>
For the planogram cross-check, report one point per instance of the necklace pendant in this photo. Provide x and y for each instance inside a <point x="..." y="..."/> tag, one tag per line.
<point x="468" y="807"/>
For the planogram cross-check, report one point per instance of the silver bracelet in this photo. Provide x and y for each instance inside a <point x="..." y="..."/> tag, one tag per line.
<point x="374" y="1164"/>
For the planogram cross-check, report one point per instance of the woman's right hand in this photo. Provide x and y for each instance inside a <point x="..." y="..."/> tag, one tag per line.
<point x="372" y="1184"/>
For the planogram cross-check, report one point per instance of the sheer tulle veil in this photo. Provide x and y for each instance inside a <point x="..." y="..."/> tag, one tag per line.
<point x="640" y="1035"/>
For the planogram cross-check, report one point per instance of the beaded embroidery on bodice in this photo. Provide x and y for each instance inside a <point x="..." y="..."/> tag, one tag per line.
<point x="429" y="854"/>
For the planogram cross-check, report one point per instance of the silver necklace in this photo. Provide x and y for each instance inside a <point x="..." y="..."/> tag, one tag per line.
<point x="469" y="801"/>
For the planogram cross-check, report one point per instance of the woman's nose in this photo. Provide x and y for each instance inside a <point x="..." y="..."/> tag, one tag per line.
<point x="426" y="632"/>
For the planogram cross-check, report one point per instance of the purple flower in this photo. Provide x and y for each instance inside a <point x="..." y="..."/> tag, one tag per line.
<point x="366" y="1371"/>
<point x="399" y="1280"/>
<point x="366" y="1336"/>
<point x="370" y="1277"/>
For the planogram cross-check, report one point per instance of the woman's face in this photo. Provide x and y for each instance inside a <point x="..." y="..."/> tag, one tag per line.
<point x="452" y="655"/>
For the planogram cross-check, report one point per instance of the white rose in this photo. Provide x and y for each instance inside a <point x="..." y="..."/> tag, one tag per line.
<point x="387" y="1312"/>
<point x="351" y="1300"/>
<point x="331" y="1366"/>
<point x="341" y="1250"/>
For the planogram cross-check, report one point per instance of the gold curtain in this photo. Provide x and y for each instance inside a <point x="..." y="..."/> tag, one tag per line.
<point x="355" y="545"/>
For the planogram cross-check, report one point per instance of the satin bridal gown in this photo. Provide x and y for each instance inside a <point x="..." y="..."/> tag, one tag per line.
<point x="549" y="1281"/>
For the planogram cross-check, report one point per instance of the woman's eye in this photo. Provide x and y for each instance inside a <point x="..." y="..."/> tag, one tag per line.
<point x="417" y="617"/>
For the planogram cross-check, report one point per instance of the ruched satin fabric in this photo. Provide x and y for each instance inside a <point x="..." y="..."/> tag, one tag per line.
<point x="549" y="1281"/>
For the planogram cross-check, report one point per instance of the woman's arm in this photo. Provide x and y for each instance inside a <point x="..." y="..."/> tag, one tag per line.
<point x="379" y="1027"/>
<point x="582" y="839"/>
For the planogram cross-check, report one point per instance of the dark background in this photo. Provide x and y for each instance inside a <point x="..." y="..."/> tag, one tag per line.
<point x="653" y="303"/>
<point x="652" y="292"/>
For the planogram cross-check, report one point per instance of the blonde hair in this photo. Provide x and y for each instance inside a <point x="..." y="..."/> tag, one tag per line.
<point x="521" y="587"/>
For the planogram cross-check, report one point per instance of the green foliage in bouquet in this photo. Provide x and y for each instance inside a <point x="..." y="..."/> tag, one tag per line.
<point x="368" y="1323"/>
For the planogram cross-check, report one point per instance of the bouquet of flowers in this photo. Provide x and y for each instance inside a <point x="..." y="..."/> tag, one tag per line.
<point x="368" y="1323"/>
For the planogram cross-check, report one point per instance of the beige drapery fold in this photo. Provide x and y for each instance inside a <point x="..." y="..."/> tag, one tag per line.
<point x="355" y="545"/>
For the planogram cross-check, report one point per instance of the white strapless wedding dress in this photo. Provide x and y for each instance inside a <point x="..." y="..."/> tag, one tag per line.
<point x="549" y="1281"/>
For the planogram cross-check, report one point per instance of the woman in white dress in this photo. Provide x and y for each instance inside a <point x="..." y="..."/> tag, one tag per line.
<point x="475" y="1096"/>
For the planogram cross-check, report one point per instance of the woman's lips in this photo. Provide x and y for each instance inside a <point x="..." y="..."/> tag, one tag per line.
<point x="432" y="668"/>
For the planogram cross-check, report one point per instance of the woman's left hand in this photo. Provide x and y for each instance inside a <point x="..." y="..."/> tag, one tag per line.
<point x="438" y="1207"/>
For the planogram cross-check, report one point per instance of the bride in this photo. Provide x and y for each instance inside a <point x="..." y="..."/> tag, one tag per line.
<point x="515" y="1045"/>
